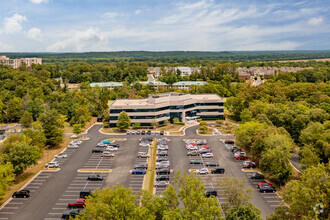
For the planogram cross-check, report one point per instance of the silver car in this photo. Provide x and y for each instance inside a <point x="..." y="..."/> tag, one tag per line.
<point x="161" y="184"/>
<point x="61" y="155"/>
<point x="52" y="165"/>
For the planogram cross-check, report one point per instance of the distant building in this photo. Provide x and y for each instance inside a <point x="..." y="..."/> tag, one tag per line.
<point x="187" y="84"/>
<point x="109" y="85"/>
<point x="167" y="106"/>
<point x="16" y="63"/>
<point x="185" y="70"/>
<point x="155" y="84"/>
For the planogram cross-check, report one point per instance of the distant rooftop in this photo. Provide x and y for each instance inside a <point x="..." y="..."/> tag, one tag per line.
<point x="106" y="84"/>
<point x="189" y="83"/>
<point x="155" y="83"/>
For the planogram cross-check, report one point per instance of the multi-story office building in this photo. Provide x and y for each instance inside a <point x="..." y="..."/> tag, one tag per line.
<point x="167" y="106"/>
<point x="15" y="63"/>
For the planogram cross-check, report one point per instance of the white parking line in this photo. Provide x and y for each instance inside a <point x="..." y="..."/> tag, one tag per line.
<point x="65" y="199"/>
<point x="15" y="203"/>
<point x="33" y="187"/>
<point x="271" y="197"/>
<point x="36" y="183"/>
<point x="74" y="187"/>
<point x="6" y="207"/>
<point x="3" y="218"/>
<point x="275" y="205"/>
<point x="6" y="213"/>
<point x="273" y="201"/>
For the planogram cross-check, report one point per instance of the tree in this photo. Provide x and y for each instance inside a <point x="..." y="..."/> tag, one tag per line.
<point x="246" y="115"/>
<point x="124" y="121"/>
<point x="20" y="153"/>
<point x="243" y="212"/>
<point x="106" y="120"/>
<point x="154" y="123"/>
<point x="26" y="120"/>
<point x="246" y="133"/>
<point x="36" y="135"/>
<point x="235" y="106"/>
<point x="166" y="122"/>
<point x="176" y="120"/>
<point x="77" y="129"/>
<point x="13" y="108"/>
<point x="6" y="177"/>
<point x="53" y="124"/>
<point x="136" y="125"/>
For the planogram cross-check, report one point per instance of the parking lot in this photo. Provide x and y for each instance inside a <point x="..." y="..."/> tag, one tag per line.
<point x="51" y="191"/>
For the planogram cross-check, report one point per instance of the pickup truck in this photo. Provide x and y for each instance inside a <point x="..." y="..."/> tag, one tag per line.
<point x="79" y="203"/>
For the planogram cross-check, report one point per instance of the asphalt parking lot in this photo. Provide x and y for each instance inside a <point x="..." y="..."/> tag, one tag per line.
<point x="51" y="191"/>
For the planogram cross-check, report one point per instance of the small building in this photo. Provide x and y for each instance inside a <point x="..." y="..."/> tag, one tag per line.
<point x="167" y="106"/>
<point x="187" y="84"/>
<point x="154" y="84"/>
<point x="109" y="85"/>
<point x="16" y="63"/>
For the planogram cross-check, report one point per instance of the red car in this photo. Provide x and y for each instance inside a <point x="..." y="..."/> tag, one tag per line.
<point x="263" y="183"/>
<point x="241" y="157"/>
<point x="204" y="146"/>
<point x="79" y="203"/>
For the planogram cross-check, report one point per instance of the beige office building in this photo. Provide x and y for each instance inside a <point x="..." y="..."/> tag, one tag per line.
<point x="166" y="106"/>
<point x="16" y="63"/>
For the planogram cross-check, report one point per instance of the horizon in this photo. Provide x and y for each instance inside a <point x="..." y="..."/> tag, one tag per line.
<point x="43" y="26"/>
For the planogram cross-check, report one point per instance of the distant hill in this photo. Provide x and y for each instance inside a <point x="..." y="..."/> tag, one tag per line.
<point x="175" y="56"/>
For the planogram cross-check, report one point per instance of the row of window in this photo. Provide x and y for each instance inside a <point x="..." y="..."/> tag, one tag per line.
<point x="177" y="107"/>
<point x="143" y="117"/>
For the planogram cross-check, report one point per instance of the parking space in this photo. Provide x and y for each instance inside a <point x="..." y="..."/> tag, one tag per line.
<point x="170" y="152"/>
<point x="78" y="184"/>
<point x="16" y="203"/>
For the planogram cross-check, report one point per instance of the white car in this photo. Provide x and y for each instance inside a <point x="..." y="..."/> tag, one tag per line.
<point x="144" y="145"/>
<point x="207" y="155"/>
<point x="61" y="155"/>
<point x="202" y="171"/>
<point x="162" y="147"/>
<point x="163" y="163"/>
<point x="143" y="155"/>
<point x="190" y="142"/>
<point x="72" y="146"/>
<point x="191" y="147"/>
<point x="76" y="141"/>
<point x="107" y="154"/>
<point x="110" y="148"/>
<point x="161" y="184"/>
<point x="101" y="145"/>
<point x="52" y="165"/>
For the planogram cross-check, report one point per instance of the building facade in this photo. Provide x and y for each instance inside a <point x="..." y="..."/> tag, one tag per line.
<point x="187" y="84"/>
<point x="167" y="106"/>
<point x="16" y="63"/>
<point x="109" y="85"/>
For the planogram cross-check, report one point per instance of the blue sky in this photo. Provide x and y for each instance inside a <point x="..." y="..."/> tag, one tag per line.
<point x="163" y="25"/>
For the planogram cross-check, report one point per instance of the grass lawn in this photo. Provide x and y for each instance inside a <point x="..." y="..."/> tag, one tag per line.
<point x="149" y="178"/>
<point x="23" y="178"/>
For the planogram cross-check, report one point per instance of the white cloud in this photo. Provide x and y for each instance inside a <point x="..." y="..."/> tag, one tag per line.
<point x="13" y="24"/>
<point x="316" y="21"/>
<point x="38" y="1"/>
<point x="6" y="48"/>
<point x="35" y="34"/>
<point x="137" y="12"/>
<point x="112" y="15"/>
<point x="88" y="40"/>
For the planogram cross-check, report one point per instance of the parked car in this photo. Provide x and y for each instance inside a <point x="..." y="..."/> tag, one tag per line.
<point x="161" y="166"/>
<point x="143" y="155"/>
<point x="210" y="192"/>
<point x="218" y="171"/>
<point x="161" y="132"/>
<point x="76" y="141"/>
<point x="72" y="146"/>
<point x="211" y="164"/>
<point x="143" y="166"/>
<point x="191" y="147"/>
<point x="267" y="188"/>
<point x="106" y="142"/>
<point x="97" y="150"/>
<point x="165" y="162"/>
<point x="160" y="159"/>
<point x="204" y="147"/>
<point x="128" y="132"/>
<point x="138" y="132"/>
<point x="261" y="183"/>
<point x="95" y="177"/>
<point x="78" y="203"/>
<point x="108" y="154"/>
<point x="114" y="145"/>
<point x="19" y="130"/>
<point x="111" y="148"/>
<point x="203" y="151"/>
<point x="241" y="157"/>
<point x="163" y="178"/>
<point x="2" y="131"/>
<point x="52" y="165"/>
<point x="85" y="193"/>
<point x="248" y="164"/>
<point x="13" y="131"/>
<point x="138" y="172"/>
<point x="143" y="132"/>
<point x="202" y="171"/>
<point x="2" y="137"/>
<point x="21" y="194"/>
<point x="193" y="153"/>
<point x="61" y="155"/>
<point x="202" y="142"/>
<point x="161" y="184"/>
<point x="162" y="153"/>
<point x="257" y="176"/>
<point x="207" y="155"/>
<point x="144" y="144"/>
<point x="163" y="171"/>
<point x="70" y="213"/>
<point x="196" y="162"/>
<point x="162" y="147"/>
<point x="229" y="142"/>
<point x="148" y="132"/>
<point x="133" y="132"/>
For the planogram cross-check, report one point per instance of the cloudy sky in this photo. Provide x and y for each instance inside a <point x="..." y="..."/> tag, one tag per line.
<point x="162" y="25"/>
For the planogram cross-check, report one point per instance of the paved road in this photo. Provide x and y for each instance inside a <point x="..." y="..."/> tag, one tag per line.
<point x="51" y="191"/>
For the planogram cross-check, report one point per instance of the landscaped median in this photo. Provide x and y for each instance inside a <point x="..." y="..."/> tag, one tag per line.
<point x="149" y="177"/>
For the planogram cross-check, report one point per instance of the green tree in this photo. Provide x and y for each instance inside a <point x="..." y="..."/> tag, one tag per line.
<point x="53" y="124"/>
<point x="77" y="129"/>
<point x="166" y="122"/>
<point x="176" y="120"/>
<point x="13" y="109"/>
<point x="136" y="125"/>
<point x="26" y="120"/>
<point x="246" y="115"/>
<point x="235" y="106"/>
<point x="36" y="135"/>
<point x="6" y="177"/>
<point x="246" y="133"/>
<point x="106" y="120"/>
<point x="124" y="121"/>
<point x="243" y="212"/>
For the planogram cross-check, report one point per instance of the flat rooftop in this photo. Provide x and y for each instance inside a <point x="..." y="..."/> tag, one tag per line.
<point x="145" y="101"/>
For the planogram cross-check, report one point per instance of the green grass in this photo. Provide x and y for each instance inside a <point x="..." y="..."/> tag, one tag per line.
<point x="150" y="175"/>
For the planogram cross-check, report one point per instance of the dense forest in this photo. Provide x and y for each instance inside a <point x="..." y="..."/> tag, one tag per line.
<point x="175" y="57"/>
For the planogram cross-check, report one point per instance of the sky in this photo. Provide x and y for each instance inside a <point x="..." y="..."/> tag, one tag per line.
<point x="163" y="25"/>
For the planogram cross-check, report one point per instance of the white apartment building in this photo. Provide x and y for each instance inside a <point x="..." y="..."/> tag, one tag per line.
<point x="16" y="63"/>
<point x="167" y="106"/>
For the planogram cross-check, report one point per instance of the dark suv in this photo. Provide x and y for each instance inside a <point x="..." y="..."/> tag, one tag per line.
<point x="163" y="178"/>
<point x="21" y="194"/>
<point x="143" y="166"/>
<point x="257" y="176"/>
<point x="85" y="193"/>
<point x="97" y="150"/>
<point x="163" y="171"/>
<point x="210" y="192"/>
<point x="95" y="177"/>
<point x="218" y="170"/>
